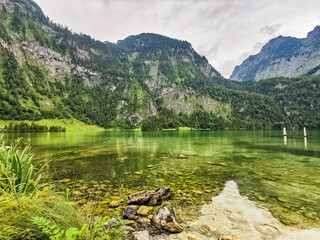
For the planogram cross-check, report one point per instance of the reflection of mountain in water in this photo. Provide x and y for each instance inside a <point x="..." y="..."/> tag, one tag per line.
<point x="233" y="214"/>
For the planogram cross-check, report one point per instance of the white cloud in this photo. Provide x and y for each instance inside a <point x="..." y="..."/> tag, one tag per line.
<point x="225" y="31"/>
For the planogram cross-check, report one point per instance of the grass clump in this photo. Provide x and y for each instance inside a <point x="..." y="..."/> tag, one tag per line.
<point x="18" y="173"/>
<point x="16" y="217"/>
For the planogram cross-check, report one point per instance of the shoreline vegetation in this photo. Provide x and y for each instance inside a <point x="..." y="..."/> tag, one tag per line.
<point x="30" y="209"/>
<point x="33" y="127"/>
<point x="68" y="124"/>
<point x="73" y="125"/>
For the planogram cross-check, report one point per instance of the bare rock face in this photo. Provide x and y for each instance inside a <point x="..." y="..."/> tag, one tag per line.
<point x="150" y="197"/>
<point x="166" y="219"/>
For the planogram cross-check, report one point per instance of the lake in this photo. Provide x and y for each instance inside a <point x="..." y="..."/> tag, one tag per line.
<point x="280" y="174"/>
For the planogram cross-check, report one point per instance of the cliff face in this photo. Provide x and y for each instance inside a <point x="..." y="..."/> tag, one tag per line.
<point x="283" y="57"/>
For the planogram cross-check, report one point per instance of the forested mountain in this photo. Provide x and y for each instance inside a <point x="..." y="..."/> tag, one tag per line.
<point x="283" y="57"/>
<point x="46" y="71"/>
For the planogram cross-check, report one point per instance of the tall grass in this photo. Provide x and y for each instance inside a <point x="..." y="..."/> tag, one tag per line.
<point x="18" y="173"/>
<point x="16" y="217"/>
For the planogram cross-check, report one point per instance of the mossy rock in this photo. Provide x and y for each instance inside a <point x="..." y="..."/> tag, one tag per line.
<point x="66" y="180"/>
<point x="144" y="210"/>
<point x="78" y="193"/>
<point x="114" y="204"/>
<point x="261" y="198"/>
<point x="281" y="199"/>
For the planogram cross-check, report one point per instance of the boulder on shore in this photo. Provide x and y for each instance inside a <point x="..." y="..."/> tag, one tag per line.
<point x="141" y="235"/>
<point x="150" y="197"/>
<point x="166" y="219"/>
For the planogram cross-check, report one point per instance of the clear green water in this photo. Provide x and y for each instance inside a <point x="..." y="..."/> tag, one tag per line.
<point x="284" y="177"/>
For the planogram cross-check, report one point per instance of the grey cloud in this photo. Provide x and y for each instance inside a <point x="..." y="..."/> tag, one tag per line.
<point x="212" y="52"/>
<point x="270" y="29"/>
<point x="225" y="31"/>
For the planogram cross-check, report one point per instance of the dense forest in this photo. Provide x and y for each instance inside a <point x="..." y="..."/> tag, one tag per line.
<point x="33" y="127"/>
<point x="47" y="71"/>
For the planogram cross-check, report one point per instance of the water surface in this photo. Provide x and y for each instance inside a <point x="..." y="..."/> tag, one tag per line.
<point x="281" y="174"/>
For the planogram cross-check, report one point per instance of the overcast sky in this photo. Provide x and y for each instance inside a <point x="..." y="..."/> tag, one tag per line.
<point x="225" y="31"/>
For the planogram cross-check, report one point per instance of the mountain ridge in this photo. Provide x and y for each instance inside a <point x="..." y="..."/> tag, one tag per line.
<point x="282" y="57"/>
<point x="148" y="80"/>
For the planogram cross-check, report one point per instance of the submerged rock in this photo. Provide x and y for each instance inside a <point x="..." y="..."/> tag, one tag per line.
<point x="114" y="204"/>
<point x="208" y="228"/>
<point x="129" y="212"/>
<point x="166" y="219"/>
<point x="66" y="180"/>
<point x="181" y="156"/>
<point x="144" y="210"/>
<point x="150" y="197"/>
<point x="186" y="236"/>
<point x="230" y="237"/>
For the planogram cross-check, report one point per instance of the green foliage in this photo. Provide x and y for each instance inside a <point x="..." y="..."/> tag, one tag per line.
<point x="16" y="216"/>
<point x="101" y="233"/>
<point x="18" y="174"/>
<point x="55" y="232"/>
<point x="98" y="231"/>
<point x="33" y="127"/>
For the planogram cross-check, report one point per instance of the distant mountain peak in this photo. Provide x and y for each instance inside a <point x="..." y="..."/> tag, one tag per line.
<point x="282" y="57"/>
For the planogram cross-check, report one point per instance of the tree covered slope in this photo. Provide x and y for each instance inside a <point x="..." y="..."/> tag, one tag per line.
<point x="46" y="71"/>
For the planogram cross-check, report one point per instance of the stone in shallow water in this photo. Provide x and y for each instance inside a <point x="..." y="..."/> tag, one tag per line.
<point x="82" y="201"/>
<point x="129" y="212"/>
<point x="283" y="200"/>
<point x="308" y="214"/>
<point x="144" y="210"/>
<point x="114" y="204"/>
<point x="229" y="237"/>
<point x="66" y="180"/>
<point x="208" y="228"/>
<point x="197" y="191"/>
<point x="77" y="193"/>
<point x="105" y="202"/>
<point x="186" y="236"/>
<point x="261" y="198"/>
